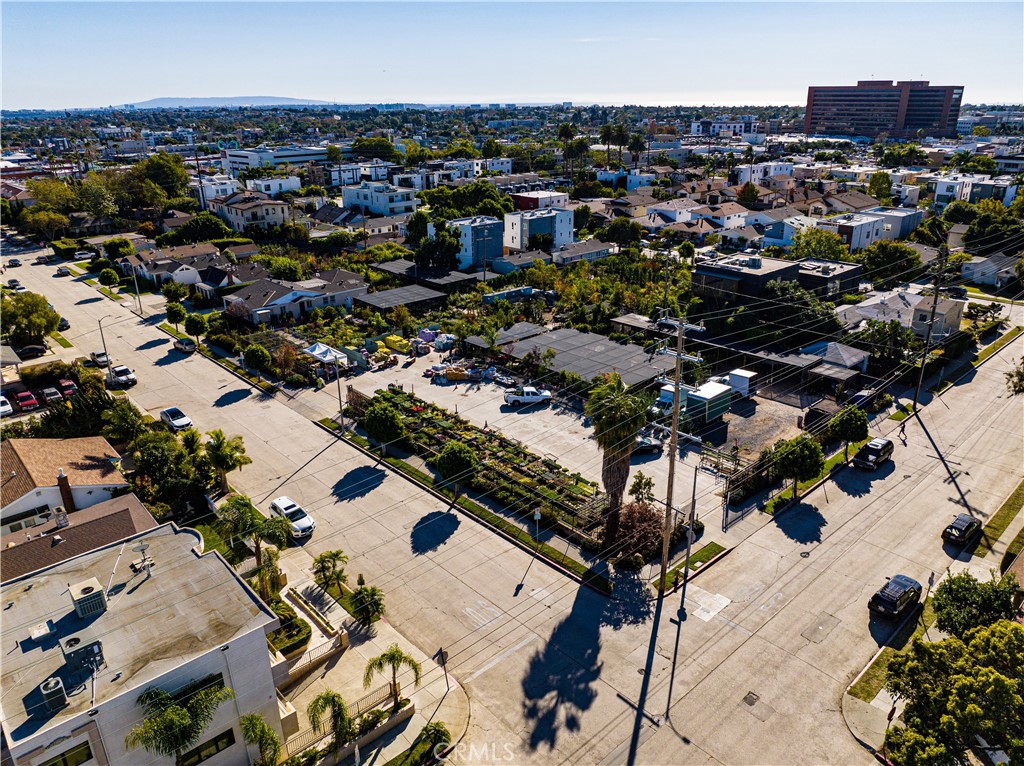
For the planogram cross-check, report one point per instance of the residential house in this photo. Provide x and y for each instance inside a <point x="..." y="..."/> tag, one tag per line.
<point x="480" y="237"/>
<point x="728" y="215"/>
<point x="333" y="215"/>
<point x="844" y="202"/>
<point x="273" y="300"/>
<point x="828" y="279"/>
<point x="388" y="225"/>
<point x="333" y="175"/>
<point x="629" y="180"/>
<point x="911" y="310"/>
<point x="996" y="270"/>
<point x="521" y="226"/>
<point x="172" y="219"/>
<point x="42" y="475"/>
<point x="221" y="275"/>
<point x="87" y="225"/>
<point x="274" y="186"/>
<point x="632" y="205"/>
<point x="589" y="250"/>
<point x="98" y="630"/>
<point x="510" y="262"/>
<point x="673" y="210"/>
<point x="512" y="183"/>
<point x="781" y="233"/>
<point x="207" y="187"/>
<point x="379" y="198"/>
<point x="242" y="252"/>
<point x="760" y="172"/>
<point x="898" y="222"/>
<point x="534" y="200"/>
<point x="856" y="230"/>
<point x="250" y="208"/>
<point x="694" y="230"/>
<point x="161" y="265"/>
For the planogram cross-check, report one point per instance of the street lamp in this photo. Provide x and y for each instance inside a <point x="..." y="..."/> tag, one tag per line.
<point x="337" y="377"/>
<point x="110" y="363"/>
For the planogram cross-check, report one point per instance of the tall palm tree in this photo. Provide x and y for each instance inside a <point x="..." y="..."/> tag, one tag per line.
<point x="395" y="659"/>
<point x="173" y="725"/>
<point x="226" y="453"/>
<point x="327" y="712"/>
<point x="245" y="521"/>
<point x="620" y="137"/>
<point x="606" y="135"/>
<point x="329" y="569"/>
<point x="256" y="731"/>
<point x="617" y="415"/>
<point x="566" y="133"/>
<point x="581" y="152"/>
<point x="636" y="148"/>
<point x="268" y="574"/>
<point x="367" y="604"/>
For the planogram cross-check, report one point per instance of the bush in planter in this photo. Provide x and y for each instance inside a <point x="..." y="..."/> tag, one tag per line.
<point x="225" y="342"/>
<point x="632" y="563"/>
<point x="370" y="721"/>
<point x="295" y="380"/>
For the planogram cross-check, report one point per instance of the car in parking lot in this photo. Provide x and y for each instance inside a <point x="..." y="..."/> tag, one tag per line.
<point x="100" y="358"/>
<point x="14" y="262"/>
<point x="896" y="596"/>
<point x="5" y="407"/>
<point x="175" y="419"/>
<point x="13" y="283"/>
<point x="26" y="401"/>
<point x="527" y="395"/>
<point x="504" y="380"/>
<point x="185" y="345"/>
<point x="63" y="324"/>
<point x="68" y="388"/>
<point x="873" y="454"/>
<point x="30" y="352"/>
<point x="648" y="445"/>
<point x="301" y="523"/>
<point x="962" y="530"/>
<point x="63" y="271"/>
<point x="50" y="395"/>
<point x="122" y="377"/>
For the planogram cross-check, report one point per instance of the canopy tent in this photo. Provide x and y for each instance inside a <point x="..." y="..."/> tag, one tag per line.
<point x="324" y="353"/>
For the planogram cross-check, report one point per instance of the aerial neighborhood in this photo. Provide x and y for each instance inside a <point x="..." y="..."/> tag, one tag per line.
<point x="340" y="433"/>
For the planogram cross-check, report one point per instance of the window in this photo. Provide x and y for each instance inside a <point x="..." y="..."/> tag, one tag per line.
<point x="208" y="749"/>
<point x="922" y="318"/>
<point x="77" y="755"/>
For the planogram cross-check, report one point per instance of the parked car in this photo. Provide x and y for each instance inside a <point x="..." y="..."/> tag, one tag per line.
<point x="962" y="530"/>
<point x="30" y="352"/>
<point x="302" y="524"/>
<point x="63" y="324"/>
<point x="43" y="259"/>
<point x="896" y="596"/>
<point x="26" y="401"/>
<point x="5" y="407"/>
<point x="527" y="395"/>
<point x="648" y="445"/>
<point x="873" y="454"/>
<point x="100" y="358"/>
<point x="960" y="293"/>
<point x="185" y="345"/>
<point x="122" y="377"/>
<point x="13" y="283"/>
<point x="50" y="395"/>
<point x="68" y="388"/>
<point x="84" y="255"/>
<point x="20" y="289"/>
<point x="504" y="380"/>
<point x="175" y="419"/>
<point x="14" y="263"/>
<point x="63" y="271"/>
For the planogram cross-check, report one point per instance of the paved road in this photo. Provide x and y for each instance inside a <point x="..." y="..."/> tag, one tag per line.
<point x="771" y="635"/>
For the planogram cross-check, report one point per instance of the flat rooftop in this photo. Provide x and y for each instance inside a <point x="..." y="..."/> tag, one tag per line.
<point x="745" y="264"/>
<point x="410" y="294"/>
<point x="826" y="267"/>
<point x="436" y="277"/>
<point x="187" y="606"/>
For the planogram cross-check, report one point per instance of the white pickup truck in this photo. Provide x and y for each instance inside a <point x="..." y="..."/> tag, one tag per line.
<point x="527" y="395"/>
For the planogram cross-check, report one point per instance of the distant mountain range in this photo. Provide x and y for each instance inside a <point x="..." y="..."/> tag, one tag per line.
<point x="216" y="102"/>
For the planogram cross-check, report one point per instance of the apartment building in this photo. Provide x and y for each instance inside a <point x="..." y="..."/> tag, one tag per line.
<point x="379" y="198"/>
<point x="274" y="186"/>
<point x="555" y="223"/>
<point x="481" y="238"/>
<point x="857" y="230"/>
<point x="250" y="208"/>
<point x="205" y="188"/>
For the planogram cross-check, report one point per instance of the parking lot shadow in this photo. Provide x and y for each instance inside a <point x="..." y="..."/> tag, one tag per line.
<point x="432" y="531"/>
<point x="358" y="482"/>
<point x="856" y="483"/>
<point x="802" y="523"/>
<point x="234" y="396"/>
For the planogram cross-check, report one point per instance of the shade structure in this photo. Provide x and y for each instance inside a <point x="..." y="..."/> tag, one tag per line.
<point x="327" y="354"/>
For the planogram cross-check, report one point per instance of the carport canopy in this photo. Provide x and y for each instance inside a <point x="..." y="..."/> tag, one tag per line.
<point x="324" y="353"/>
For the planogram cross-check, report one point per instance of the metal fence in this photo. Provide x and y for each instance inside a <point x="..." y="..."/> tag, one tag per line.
<point x="306" y="739"/>
<point x="313" y="655"/>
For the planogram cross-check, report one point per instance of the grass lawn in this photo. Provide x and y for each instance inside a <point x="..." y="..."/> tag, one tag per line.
<point x="61" y="340"/>
<point x="992" y="348"/>
<point x="1000" y="520"/>
<point x="217" y="537"/>
<point x="696" y="561"/>
<point x="869" y="684"/>
<point x="901" y="415"/>
<point x="831" y="464"/>
<point x="418" y="753"/>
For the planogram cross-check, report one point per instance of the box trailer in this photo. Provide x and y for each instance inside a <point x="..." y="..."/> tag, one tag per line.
<point x="742" y="382"/>
<point x="709" y="402"/>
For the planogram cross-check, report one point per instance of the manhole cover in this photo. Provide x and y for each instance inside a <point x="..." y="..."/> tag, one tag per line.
<point x="751" y="698"/>
<point x="805" y="554"/>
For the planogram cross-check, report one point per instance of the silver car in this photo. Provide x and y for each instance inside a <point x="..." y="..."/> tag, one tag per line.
<point x="301" y="523"/>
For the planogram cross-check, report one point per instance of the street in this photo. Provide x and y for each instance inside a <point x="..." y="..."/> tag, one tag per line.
<point x="750" y="673"/>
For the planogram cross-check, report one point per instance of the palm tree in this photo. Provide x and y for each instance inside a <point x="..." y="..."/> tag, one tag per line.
<point x="606" y="135"/>
<point x="617" y="415"/>
<point x="436" y="733"/>
<point x="226" y="453"/>
<point x="245" y="521"/>
<point x="192" y="442"/>
<point x="268" y="574"/>
<point x="329" y="569"/>
<point x="395" y="659"/>
<point x="327" y="712"/>
<point x="256" y="731"/>
<point x="172" y="725"/>
<point x="620" y="136"/>
<point x="367" y="604"/>
<point x="122" y="422"/>
<point x="636" y="148"/>
<point x="566" y="133"/>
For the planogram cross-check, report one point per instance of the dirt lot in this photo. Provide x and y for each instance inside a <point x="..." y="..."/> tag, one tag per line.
<point x="753" y="425"/>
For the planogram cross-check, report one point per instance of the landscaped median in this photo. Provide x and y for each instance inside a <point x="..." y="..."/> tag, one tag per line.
<point x="61" y="340"/>
<point x="697" y="560"/>
<point x="992" y="348"/>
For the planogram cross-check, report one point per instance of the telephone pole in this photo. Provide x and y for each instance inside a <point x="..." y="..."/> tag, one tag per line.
<point x="666" y="535"/>
<point x="936" y="284"/>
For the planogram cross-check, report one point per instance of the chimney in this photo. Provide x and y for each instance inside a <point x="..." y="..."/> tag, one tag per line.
<point x="64" y="485"/>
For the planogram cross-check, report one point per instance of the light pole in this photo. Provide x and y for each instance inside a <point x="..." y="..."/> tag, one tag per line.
<point x="104" y="341"/>
<point x="337" y="377"/>
<point x="138" y="297"/>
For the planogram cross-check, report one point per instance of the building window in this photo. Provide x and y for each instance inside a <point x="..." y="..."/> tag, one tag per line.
<point x="77" y="755"/>
<point x="208" y="749"/>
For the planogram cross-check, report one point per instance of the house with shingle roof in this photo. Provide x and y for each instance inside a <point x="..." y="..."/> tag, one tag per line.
<point x="272" y="300"/>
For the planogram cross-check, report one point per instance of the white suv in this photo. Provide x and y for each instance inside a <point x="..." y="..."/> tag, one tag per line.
<point x="302" y="524"/>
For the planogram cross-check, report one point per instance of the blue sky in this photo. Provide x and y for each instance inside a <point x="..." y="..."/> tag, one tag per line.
<point x="727" y="53"/>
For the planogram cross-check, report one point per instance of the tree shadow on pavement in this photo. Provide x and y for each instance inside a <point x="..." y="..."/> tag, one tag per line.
<point x="155" y="343"/>
<point x="234" y="396"/>
<point x="857" y="483"/>
<point x="432" y="531"/>
<point x="802" y="523"/>
<point x="358" y="482"/>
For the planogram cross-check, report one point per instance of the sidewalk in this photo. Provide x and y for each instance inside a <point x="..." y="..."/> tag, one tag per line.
<point x="434" y="700"/>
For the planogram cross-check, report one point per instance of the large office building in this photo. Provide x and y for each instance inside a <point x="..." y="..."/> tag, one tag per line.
<point x="872" y="107"/>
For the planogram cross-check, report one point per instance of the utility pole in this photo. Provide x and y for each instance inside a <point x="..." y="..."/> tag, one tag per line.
<point x="103" y="339"/>
<point x="666" y="535"/>
<point x="135" y="279"/>
<point x="341" y="405"/>
<point x="689" y="531"/>
<point x="936" y="283"/>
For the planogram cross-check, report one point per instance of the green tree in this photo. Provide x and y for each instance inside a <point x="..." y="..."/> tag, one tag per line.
<point x="817" y="243"/>
<point x="1015" y="379"/>
<point x="367" y="604"/>
<point x="416" y="228"/>
<point x="202" y="227"/>
<point x="167" y="172"/>
<point x="334" y="153"/>
<point x="196" y="325"/>
<point x="393" y="659"/>
<point x="122" y="422"/>
<point x="490" y="148"/>
<point x="799" y="459"/>
<point x="226" y="454"/>
<point x="886" y="261"/>
<point x="622" y="231"/>
<point x="285" y="268"/>
<point x="456" y="463"/>
<point x="327" y="713"/>
<point x="109" y="278"/>
<point x="376" y="148"/>
<point x="980" y="131"/>
<point x="51" y="194"/>
<point x="246" y="522"/>
<point x="401" y="319"/>
<point x="636" y="148"/>
<point x="880" y="185"/>
<point x="620" y="138"/>
<point x="566" y="133"/>
<point x="606" y="134"/>
<point x="440" y="251"/>
<point x="642" y="488"/>
<point x="118" y="248"/>
<point x="617" y="414"/>
<point x="174" y="292"/>
<point x="436" y="735"/>
<point x="176" y="313"/>
<point x="329" y="570"/>
<point x="257" y="358"/>
<point x="687" y="252"/>
<point x="959" y="211"/>
<point x="260" y="734"/>
<point x="581" y="217"/>
<point x="95" y="199"/>
<point x="748" y="195"/>
<point x="961" y="602"/>
<point x="189" y="205"/>
<point x="383" y="424"/>
<point x="163" y="469"/>
<point x="851" y="425"/>
<point x="28" y="318"/>
<point x="43" y="222"/>
<point x="173" y="724"/>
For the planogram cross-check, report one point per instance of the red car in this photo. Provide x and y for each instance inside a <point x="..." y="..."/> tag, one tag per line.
<point x="67" y="388"/>
<point x="26" y="401"/>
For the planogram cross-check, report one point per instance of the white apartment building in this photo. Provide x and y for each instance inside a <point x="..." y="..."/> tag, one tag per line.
<point x="205" y="188"/>
<point x="552" y="222"/>
<point x="342" y="175"/>
<point x="857" y="230"/>
<point x="274" y="186"/>
<point x="250" y="208"/>
<point x="379" y="198"/>
<point x="234" y="160"/>
<point x="501" y="165"/>
<point x="480" y="237"/>
<point x="760" y="171"/>
<point x="97" y="630"/>
<point x="729" y="215"/>
<point x="633" y="179"/>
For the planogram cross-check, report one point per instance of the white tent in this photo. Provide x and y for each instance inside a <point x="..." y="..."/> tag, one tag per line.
<point x="326" y="354"/>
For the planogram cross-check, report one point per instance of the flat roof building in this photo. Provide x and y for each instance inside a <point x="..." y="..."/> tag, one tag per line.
<point x="742" y="274"/>
<point x="872" y="107"/>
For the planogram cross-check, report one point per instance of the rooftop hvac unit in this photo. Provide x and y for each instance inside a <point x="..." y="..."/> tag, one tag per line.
<point x="88" y="597"/>
<point x="53" y="693"/>
<point x="754" y="262"/>
<point x="82" y="652"/>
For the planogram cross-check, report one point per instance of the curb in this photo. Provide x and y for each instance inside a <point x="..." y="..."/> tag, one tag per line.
<point x="518" y="543"/>
<point x="836" y="469"/>
<point x="693" y="573"/>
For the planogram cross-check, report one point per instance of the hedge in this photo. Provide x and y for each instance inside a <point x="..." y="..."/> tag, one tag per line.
<point x="294" y="633"/>
<point x="227" y="242"/>
<point x="64" y="248"/>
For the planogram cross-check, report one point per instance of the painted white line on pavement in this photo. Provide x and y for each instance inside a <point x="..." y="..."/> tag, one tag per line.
<point x="505" y="654"/>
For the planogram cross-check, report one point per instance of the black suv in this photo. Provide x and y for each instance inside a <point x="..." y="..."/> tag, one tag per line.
<point x="897" y="595"/>
<point x="962" y="530"/>
<point x="873" y="454"/>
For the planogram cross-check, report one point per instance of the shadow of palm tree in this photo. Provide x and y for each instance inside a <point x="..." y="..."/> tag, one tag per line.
<point x="432" y="531"/>
<point x="802" y="523"/>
